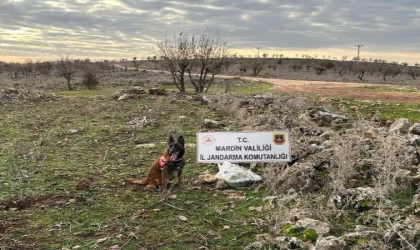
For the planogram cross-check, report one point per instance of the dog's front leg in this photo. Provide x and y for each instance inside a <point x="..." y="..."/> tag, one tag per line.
<point x="180" y="178"/>
<point x="165" y="183"/>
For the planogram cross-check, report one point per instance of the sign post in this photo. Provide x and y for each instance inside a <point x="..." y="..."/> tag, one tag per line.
<point x="218" y="147"/>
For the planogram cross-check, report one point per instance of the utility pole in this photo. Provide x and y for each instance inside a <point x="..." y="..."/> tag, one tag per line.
<point x="258" y="55"/>
<point x="358" y="51"/>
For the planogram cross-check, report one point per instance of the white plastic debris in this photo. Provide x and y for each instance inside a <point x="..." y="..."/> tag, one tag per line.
<point x="235" y="175"/>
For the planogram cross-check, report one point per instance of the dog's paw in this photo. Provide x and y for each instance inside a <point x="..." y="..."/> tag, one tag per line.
<point x="164" y="195"/>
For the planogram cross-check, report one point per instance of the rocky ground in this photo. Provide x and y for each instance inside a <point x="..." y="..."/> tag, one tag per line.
<point x="353" y="183"/>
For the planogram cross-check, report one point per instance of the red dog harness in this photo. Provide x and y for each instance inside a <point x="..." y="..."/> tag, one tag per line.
<point x="163" y="161"/>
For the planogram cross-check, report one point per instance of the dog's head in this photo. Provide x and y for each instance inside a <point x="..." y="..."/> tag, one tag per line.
<point x="176" y="149"/>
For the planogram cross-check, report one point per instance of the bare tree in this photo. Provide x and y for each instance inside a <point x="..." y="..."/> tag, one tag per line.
<point x="13" y="69"/>
<point x="412" y="72"/>
<point x="28" y="67"/>
<point x="210" y="55"/>
<point x="243" y="67"/>
<point x="136" y="63"/>
<point x="43" y="67"/>
<point x="2" y="66"/>
<point x="360" y="69"/>
<point x="201" y="57"/>
<point x="67" y="69"/>
<point x="257" y="66"/>
<point x="177" y="54"/>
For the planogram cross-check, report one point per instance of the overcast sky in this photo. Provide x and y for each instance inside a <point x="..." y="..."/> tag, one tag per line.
<point x="115" y="29"/>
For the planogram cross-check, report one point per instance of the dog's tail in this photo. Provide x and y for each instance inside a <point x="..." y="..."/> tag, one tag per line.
<point x="134" y="180"/>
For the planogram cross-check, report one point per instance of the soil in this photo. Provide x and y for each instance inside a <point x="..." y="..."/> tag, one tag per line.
<point x="330" y="84"/>
<point x="390" y="93"/>
<point x="343" y="89"/>
<point x="290" y="82"/>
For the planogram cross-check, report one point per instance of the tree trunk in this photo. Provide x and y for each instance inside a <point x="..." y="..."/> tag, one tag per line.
<point x="69" y="84"/>
<point x="182" y="81"/>
<point x="360" y="76"/>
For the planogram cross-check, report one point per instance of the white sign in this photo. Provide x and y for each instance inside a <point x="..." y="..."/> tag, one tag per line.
<point x="217" y="147"/>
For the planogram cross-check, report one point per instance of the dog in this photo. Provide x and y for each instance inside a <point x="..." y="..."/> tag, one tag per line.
<point x="165" y="168"/>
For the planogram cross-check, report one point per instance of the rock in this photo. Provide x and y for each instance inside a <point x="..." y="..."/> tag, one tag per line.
<point x="360" y="198"/>
<point x="76" y="130"/>
<point x="328" y="144"/>
<point x="221" y="184"/>
<point x="298" y="177"/>
<point x="10" y="95"/>
<point x="408" y="231"/>
<point x="136" y="91"/>
<point x="296" y="243"/>
<point x="137" y="123"/>
<point x="207" y="178"/>
<point x="182" y="218"/>
<point x="264" y="238"/>
<point x="415" y="129"/>
<point x="315" y="141"/>
<point x="402" y="174"/>
<point x="205" y="100"/>
<point x="244" y="103"/>
<point x="322" y="228"/>
<point x="399" y="127"/>
<point x="124" y="97"/>
<point x="211" y="124"/>
<point x="147" y="145"/>
<point x="416" y="200"/>
<point x="324" y="117"/>
<point x="156" y="91"/>
<point x="330" y="243"/>
<point x="327" y="135"/>
<point x="415" y="141"/>
<point x="9" y="91"/>
<point x="130" y="93"/>
<point x="305" y="118"/>
<point x="371" y="134"/>
<point x="360" y="234"/>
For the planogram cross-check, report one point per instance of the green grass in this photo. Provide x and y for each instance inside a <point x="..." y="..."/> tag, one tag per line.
<point x="86" y="92"/>
<point x="385" y="110"/>
<point x="403" y="196"/>
<point x="242" y="89"/>
<point x="43" y="163"/>
<point x="381" y="89"/>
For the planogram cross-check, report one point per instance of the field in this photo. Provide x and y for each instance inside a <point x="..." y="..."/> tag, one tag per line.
<point x="65" y="155"/>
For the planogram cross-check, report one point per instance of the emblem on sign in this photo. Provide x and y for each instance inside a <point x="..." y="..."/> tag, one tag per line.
<point x="208" y="140"/>
<point x="279" y="139"/>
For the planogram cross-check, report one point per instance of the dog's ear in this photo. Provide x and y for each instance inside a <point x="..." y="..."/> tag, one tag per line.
<point x="171" y="139"/>
<point x="181" y="140"/>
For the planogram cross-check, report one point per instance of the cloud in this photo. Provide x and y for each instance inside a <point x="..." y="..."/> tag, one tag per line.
<point x="127" y="28"/>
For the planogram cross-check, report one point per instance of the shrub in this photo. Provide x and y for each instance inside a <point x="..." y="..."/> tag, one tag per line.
<point x="243" y="67"/>
<point x="257" y="66"/>
<point x="327" y="65"/>
<point x="90" y="79"/>
<point x="319" y="70"/>
<point x="66" y="68"/>
<point x="296" y="67"/>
